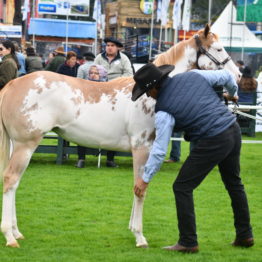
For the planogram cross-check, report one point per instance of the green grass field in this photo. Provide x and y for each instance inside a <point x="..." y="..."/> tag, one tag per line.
<point x="70" y="215"/>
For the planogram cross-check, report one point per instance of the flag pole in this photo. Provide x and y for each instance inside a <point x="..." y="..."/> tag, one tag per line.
<point x="160" y="38"/>
<point x="66" y="47"/>
<point x="209" y="11"/>
<point x="243" y="32"/>
<point x="34" y="17"/>
<point x="95" y="16"/>
<point x="95" y="49"/>
<point x="151" y="33"/>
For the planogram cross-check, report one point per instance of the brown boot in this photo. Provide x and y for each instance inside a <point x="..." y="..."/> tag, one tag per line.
<point x="180" y="248"/>
<point x="248" y="242"/>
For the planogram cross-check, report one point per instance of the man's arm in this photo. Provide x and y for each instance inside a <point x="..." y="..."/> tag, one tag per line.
<point x="164" y="124"/>
<point x="220" y="78"/>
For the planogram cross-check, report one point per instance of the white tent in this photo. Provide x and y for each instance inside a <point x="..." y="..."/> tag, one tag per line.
<point x="232" y="32"/>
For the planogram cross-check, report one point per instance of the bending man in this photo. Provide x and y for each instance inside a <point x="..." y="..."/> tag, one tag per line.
<point x="189" y="103"/>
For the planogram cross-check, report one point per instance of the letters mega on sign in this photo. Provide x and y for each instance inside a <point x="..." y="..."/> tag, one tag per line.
<point x="64" y="7"/>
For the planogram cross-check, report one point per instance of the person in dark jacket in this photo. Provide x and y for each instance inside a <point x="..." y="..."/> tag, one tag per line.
<point x="70" y="66"/>
<point x="247" y="86"/>
<point x="189" y="103"/>
<point x="58" y="60"/>
<point x="9" y="65"/>
<point x="32" y="62"/>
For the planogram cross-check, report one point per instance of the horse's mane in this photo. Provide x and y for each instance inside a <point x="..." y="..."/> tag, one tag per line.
<point x="172" y="55"/>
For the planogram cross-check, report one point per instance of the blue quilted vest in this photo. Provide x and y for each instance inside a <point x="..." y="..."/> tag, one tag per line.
<point x="194" y="104"/>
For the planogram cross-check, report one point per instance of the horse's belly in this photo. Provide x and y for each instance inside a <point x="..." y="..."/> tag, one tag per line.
<point x="99" y="128"/>
<point x="96" y="137"/>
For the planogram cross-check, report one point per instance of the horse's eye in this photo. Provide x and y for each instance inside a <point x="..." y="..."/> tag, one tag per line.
<point x="219" y="50"/>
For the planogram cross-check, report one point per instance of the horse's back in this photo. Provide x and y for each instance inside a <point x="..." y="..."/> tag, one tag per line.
<point x="86" y="112"/>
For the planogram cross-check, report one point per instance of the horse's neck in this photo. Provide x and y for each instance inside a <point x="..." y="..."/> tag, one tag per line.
<point x="182" y="55"/>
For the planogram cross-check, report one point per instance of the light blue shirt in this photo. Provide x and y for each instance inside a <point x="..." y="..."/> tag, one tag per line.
<point x="220" y="78"/>
<point x="164" y="122"/>
<point x="21" y="61"/>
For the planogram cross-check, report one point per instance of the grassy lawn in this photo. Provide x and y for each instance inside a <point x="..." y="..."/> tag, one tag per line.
<point x="70" y="215"/>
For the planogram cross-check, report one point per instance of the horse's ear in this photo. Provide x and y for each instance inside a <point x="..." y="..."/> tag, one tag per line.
<point x="207" y="29"/>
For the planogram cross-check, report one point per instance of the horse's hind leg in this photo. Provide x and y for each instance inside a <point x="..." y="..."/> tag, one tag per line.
<point x="136" y="220"/>
<point x="16" y="233"/>
<point x="18" y="162"/>
<point x="8" y="216"/>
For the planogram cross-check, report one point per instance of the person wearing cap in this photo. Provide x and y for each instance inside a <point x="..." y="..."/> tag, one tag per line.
<point x="116" y="64"/>
<point x="188" y="102"/>
<point x="58" y="60"/>
<point x="83" y="70"/>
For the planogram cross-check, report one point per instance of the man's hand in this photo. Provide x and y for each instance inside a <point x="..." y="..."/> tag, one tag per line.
<point x="140" y="187"/>
<point x="234" y="99"/>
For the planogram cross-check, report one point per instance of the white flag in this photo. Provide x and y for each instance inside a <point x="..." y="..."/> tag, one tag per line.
<point x="186" y="15"/>
<point x="177" y="14"/>
<point x="158" y="11"/>
<point x="97" y="11"/>
<point x="26" y="9"/>
<point x="164" y="12"/>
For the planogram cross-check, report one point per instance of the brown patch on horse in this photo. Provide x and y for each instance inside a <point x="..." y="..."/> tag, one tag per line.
<point x="147" y="110"/>
<point x="143" y="134"/>
<point x="152" y="136"/>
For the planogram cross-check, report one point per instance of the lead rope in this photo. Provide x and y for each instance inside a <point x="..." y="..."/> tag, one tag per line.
<point x="236" y="110"/>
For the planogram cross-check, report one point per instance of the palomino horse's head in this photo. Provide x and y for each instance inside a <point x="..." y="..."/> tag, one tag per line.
<point x="211" y="53"/>
<point x="203" y="51"/>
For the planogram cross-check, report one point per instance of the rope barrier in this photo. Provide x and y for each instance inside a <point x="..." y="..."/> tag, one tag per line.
<point x="243" y="141"/>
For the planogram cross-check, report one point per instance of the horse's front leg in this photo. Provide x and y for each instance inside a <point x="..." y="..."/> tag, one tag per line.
<point x="140" y="156"/>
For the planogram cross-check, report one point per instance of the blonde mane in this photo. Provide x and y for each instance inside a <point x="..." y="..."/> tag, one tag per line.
<point x="173" y="54"/>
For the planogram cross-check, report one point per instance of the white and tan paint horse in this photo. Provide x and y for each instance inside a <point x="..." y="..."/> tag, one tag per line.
<point x="99" y="115"/>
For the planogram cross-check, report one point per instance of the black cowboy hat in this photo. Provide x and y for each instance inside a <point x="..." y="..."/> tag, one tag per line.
<point x="147" y="77"/>
<point x="113" y="40"/>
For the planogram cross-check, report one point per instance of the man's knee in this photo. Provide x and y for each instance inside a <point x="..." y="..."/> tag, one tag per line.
<point x="176" y="187"/>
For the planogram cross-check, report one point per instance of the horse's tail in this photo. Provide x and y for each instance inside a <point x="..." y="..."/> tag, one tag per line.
<point x="4" y="138"/>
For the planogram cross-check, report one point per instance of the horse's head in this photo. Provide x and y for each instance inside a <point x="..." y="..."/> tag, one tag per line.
<point x="211" y="53"/>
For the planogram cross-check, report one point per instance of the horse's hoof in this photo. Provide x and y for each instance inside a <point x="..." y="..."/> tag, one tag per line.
<point x="20" y="237"/>
<point x="142" y="245"/>
<point x="13" y="244"/>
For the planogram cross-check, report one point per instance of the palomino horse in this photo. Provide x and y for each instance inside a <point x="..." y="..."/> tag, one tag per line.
<point x="92" y="114"/>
